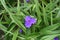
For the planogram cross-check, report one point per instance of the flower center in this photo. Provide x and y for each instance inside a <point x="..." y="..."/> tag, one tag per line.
<point x="28" y="20"/>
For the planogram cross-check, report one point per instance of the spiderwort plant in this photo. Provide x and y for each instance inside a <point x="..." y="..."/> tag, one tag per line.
<point x="29" y="21"/>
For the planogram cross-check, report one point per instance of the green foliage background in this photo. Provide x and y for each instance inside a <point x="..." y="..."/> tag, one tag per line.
<point x="13" y="12"/>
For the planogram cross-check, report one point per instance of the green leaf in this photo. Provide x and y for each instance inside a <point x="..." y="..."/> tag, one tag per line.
<point x="58" y="15"/>
<point x="52" y="27"/>
<point x="2" y="27"/>
<point x="51" y="32"/>
<point x="49" y="37"/>
<point x="18" y="7"/>
<point x="14" y="19"/>
<point x="15" y="34"/>
<point x="50" y="6"/>
<point x="19" y="23"/>
<point x="45" y="16"/>
<point x="12" y="26"/>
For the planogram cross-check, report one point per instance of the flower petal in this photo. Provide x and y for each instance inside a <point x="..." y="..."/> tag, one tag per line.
<point x="27" y="18"/>
<point x="27" y="24"/>
<point x="21" y="30"/>
<point x="27" y="0"/>
<point x="56" y="38"/>
<point x="33" y="20"/>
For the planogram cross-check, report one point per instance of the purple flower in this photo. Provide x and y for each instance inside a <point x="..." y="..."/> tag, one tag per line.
<point x="29" y="21"/>
<point x="27" y="0"/>
<point x="56" y="38"/>
<point x="21" y="30"/>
